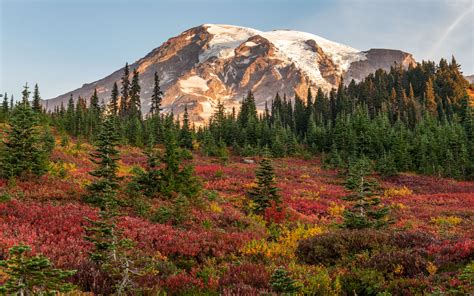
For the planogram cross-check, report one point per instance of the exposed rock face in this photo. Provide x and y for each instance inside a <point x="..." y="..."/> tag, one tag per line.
<point x="470" y="78"/>
<point x="219" y="62"/>
<point x="378" y="59"/>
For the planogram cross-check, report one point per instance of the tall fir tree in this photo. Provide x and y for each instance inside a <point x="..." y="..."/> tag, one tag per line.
<point x="102" y="190"/>
<point x="125" y="92"/>
<point x="36" y="105"/>
<point x="114" y="100"/>
<point x="32" y="275"/>
<point x="176" y="178"/>
<point x="430" y="98"/>
<point x="22" y="152"/>
<point x="156" y="97"/>
<point x="265" y="192"/>
<point x="186" y="136"/>
<point x="366" y="211"/>
<point x="135" y="103"/>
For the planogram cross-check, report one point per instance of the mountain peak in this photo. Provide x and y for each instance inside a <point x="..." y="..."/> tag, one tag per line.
<point x="213" y="62"/>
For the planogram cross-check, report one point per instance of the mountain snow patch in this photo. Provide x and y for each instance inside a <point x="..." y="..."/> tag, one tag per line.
<point x="292" y="47"/>
<point x="225" y="40"/>
<point x="193" y="84"/>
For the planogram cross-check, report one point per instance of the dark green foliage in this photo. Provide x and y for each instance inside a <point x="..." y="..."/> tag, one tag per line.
<point x="5" y="107"/>
<point x="32" y="275"/>
<point x="185" y="135"/>
<point x="165" y="175"/>
<point x="156" y="97"/>
<point x="363" y="282"/>
<point x="36" y="104"/>
<point x="105" y="157"/>
<point x="147" y="181"/>
<point x="402" y="119"/>
<point x="125" y="93"/>
<point x="134" y="107"/>
<point x="281" y="282"/>
<point x="175" y="177"/>
<point x="114" y="100"/>
<point x="22" y="152"/>
<point x="47" y="138"/>
<point x="265" y="192"/>
<point x="366" y="211"/>
<point x="409" y="263"/>
<point x="331" y="248"/>
<point x="112" y="254"/>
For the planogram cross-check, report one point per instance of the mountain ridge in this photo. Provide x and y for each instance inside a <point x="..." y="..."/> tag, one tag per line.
<point x="209" y="62"/>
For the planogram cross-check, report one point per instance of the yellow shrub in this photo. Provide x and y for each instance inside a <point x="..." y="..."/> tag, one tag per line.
<point x="431" y="268"/>
<point x="215" y="207"/>
<point x="250" y="185"/>
<point x="398" y="206"/>
<point x="315" y="280"/>
<point x="446" y="221"/>
<point x="305" y="176"/>
<point x="61" y="169"/>
<point x="256" y="248"/>
<point x="284" y="246"/>
<point x="397" y="192"/>
<point x="309" y="194"/>
<point x="336" y="210"/>
<point x="123" y="169"/>
<point x="398" y="269"/>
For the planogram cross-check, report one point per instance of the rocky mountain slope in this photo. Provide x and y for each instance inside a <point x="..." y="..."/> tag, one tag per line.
<point x="220" y="62"/>
<point x="470" y="78"/>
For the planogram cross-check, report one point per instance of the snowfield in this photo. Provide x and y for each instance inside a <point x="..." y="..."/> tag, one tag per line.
<point x="291" y="45"/>
<point x="193" y="84"/>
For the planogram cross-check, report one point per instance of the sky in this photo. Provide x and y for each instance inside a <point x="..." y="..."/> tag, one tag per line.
<point x="61" y="44"/>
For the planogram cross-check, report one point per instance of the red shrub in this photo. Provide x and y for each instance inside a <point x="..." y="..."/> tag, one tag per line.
<point x="245" y="275"/>
<point x="181" y="283"/>
<point x="55" y="231"/>
<point x="453" y="252"/>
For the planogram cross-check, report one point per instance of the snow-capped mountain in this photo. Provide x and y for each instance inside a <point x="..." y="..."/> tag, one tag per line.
<point x="221" y="62"/>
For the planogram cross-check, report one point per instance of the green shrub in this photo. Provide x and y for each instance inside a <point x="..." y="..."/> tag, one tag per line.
<point x="282" y="282"/>
<point x="5" y="197"/>
<point x="403" y="263"/>
<point x="363" y="282"/>
<point x="162" y="215"/>
<point x="330" y="248"/>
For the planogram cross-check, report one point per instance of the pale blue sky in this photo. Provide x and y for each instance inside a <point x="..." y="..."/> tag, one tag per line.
<point x="61" y="44"/>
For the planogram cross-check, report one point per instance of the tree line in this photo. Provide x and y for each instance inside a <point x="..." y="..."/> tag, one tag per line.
<point x="416" y="119"/>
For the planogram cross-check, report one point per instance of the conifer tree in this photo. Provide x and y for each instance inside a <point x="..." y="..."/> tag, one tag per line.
<point x="430" y="99"/>
<point x="265" y="192"/>
<point x="175" y="177"/>
<point x="70" y="117"/>
<point x="135" y="104"/>
<point x="156" y="97"/>
<point x="114" y="100"/>
<point x="94" y="102"/>
<point x="281" y="282"/>
<point x="102" y="191"/>
<point x="366" y="211"/>
<point x="147" y="181"/>
<point x="22" y="152"/>
<point x="125" y="92"/>
<point x="112" y="253"/>
<point x="12" y="105"/>
<point x="186" y="139"/>
<point x="5" y="108"/>
<point x="37" y="100"/>
<point x="94" y="113"/>
<point x="32" y="275"/>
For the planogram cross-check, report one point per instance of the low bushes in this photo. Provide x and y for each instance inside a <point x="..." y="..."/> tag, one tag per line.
<point x="329" y="248"/>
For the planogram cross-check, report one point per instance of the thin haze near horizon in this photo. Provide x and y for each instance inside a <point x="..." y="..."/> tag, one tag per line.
<point x="62" y="44"/>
